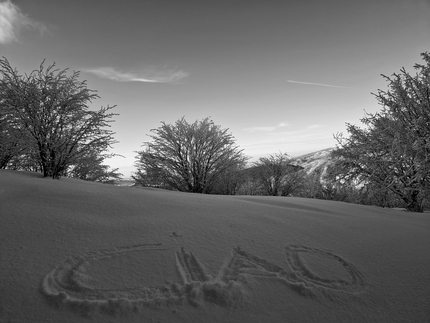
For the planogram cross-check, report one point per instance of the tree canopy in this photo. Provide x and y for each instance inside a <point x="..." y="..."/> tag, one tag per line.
<point x="188" y="157"/>
<point x="47" y="111"/>
<point x="275" y="174"/>
<point x="90" y="167"/>
<point x="392" y="152"/>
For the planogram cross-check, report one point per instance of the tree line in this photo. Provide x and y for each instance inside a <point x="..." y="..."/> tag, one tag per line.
<point x="46" y="125"/>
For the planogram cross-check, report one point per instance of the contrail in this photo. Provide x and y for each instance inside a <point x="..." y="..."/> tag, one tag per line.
<point x="319" y="84"/>
<point x="150" y="76"/>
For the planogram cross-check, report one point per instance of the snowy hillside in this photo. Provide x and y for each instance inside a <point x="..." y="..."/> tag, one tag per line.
<point x="318" y="160"/>
<point x="76" y="251"/>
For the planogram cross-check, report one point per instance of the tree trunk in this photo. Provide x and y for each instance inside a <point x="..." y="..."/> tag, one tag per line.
<point x="46" y="166"/>
<point x="414" y="203"/>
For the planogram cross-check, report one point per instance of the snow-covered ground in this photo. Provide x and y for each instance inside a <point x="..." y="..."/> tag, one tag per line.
<point x="75" y="251"/>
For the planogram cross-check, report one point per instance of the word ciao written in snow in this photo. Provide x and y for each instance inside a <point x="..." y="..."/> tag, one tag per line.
<point x="67" y="284"/>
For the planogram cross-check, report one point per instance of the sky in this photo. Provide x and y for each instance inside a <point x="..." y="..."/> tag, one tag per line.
<point x="281" y="75"/>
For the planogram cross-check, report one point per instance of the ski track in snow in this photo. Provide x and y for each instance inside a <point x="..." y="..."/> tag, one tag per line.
<point x="68" y="285"/>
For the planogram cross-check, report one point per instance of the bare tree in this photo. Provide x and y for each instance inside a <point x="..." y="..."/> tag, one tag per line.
<point x="393" y="152"/>
<point x="272" y="173"/>
<point x="51" y="109"/>
<point x="294" y="181"/>
<point x="12" y="139"/>
<point x="230" y="181"/>
<point x="187" y="157"/>
<point x="90" y="167"/>
<point x="251" y="182"/>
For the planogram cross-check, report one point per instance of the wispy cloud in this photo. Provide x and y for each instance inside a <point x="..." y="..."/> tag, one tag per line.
<point x="266" y="129"/>
<point x="12" y="19"/>
<point x="319" y="84"/>
<point x="150" y="75"/>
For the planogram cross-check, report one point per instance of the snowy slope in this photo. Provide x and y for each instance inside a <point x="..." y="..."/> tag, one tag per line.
<point x="75" y="251"/>
<point x="312" y="161"/>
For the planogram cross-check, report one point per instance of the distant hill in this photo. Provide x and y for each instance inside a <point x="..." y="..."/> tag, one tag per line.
<point x="318" y="160"/>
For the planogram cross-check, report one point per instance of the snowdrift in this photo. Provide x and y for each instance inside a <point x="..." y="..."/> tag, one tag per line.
<point x="75" y="251"/>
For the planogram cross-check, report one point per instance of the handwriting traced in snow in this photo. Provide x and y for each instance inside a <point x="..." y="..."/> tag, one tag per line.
<point x="71" y="285"/>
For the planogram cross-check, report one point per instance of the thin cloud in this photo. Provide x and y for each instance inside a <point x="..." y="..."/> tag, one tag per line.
<point x="152" y="75"/>
<point x="266" y="129"/>
<point x="12" y="20"/>
<point x="319" y="84"/>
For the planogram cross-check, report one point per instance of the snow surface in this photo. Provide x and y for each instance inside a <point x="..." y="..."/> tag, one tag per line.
<point x="75" y="251"/>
